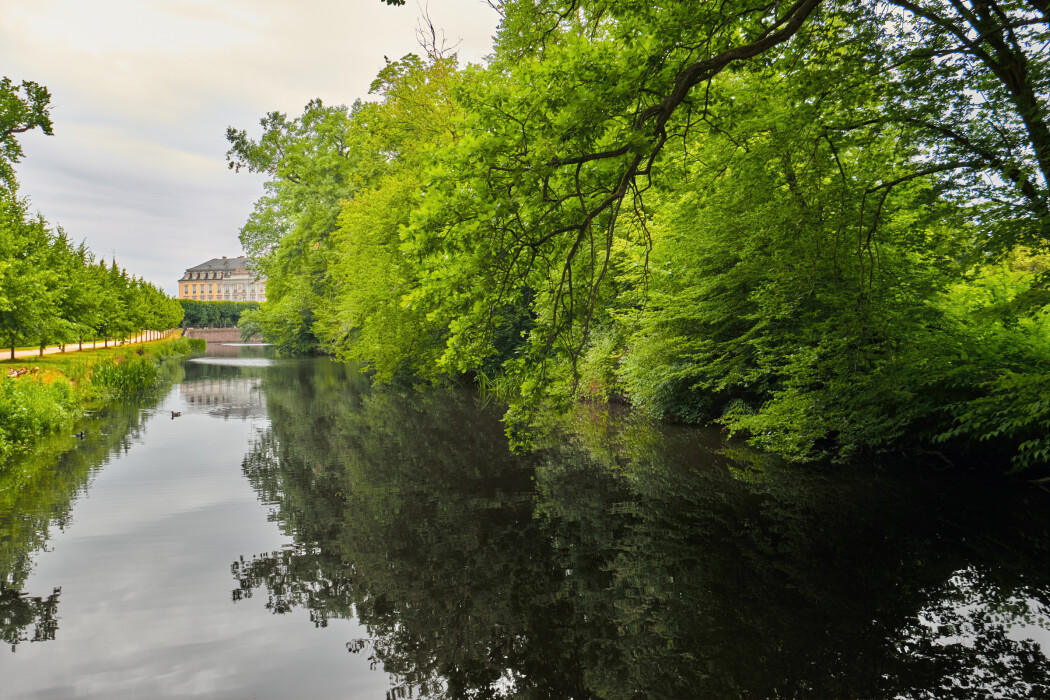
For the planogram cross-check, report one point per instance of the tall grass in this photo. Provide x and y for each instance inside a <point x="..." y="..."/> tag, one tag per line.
<point x="31" y="408"/>
<point x="60" y="388"/>
<point x="125" y="378"/>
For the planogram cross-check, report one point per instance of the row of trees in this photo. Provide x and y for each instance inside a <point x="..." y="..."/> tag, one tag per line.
<point x="213" y="314"/>
<point x="824" y="224"/>
<point x="52" y="290"/>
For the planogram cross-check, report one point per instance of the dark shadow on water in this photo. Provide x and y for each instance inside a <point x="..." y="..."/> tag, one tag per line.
<point x="632" y="560"/>
<point x="623" y="559"/>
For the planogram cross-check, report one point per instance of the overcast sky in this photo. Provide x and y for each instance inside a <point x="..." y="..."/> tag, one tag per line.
<point x="142" y="92"/>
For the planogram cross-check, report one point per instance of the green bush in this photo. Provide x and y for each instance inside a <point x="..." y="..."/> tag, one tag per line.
<point x="40" y="404"/>
<point x="31" y="408"/>
<point x="125" y="378"/>
<point x="176" y="348"/>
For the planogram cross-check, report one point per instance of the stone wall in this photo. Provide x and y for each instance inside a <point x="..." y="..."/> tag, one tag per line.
<point x="217" y="335"/>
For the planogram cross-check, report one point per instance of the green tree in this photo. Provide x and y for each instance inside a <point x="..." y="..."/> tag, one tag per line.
<point x="28" y="303"/>
<point x="22" y="108"/>
<point x="983" y="70"/>
<point x="314" y="161"/>
<point x="364" y="315"/>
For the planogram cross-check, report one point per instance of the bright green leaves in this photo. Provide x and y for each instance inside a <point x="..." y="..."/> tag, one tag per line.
<point x="367" y="316"/>
<point x="28" y="288"/>
<point x="983" y="72"/>
<point x="22" y="108"/>
<point x="791" y="300"/>
<point x="53" y="292"/>
<point x="504" y="217"/>
<point x="315" y="161"/>
<point x="754" y="214"/>
<point x="338" y="278"/>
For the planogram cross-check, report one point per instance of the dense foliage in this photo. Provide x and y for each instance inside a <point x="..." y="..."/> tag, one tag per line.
<point x="51" y="290"/>
<point x="213" y="314"/>
<point x="823" y="224"/>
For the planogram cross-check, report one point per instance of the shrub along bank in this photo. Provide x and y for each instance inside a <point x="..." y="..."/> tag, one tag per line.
<point x="50" y="393"/>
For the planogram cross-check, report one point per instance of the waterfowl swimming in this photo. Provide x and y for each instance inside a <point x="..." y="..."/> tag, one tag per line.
<point x="176" y="414"/>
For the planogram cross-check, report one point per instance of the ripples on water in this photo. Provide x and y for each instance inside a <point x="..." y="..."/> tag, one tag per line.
<point x="289" y="514"/>
<point x="234" y="361"/>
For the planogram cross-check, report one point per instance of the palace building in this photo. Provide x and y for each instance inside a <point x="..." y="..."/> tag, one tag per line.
<point x="222" y="279"/>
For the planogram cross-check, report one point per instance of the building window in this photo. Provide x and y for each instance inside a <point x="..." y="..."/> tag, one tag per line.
<point x="185" y="289"/>
<point x="195" y="291"/>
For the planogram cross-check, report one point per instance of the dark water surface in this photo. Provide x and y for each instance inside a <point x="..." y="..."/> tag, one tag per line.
<point x="296" y="534"/>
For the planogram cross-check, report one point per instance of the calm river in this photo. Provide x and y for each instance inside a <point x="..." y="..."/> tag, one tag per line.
<point x="296" y="534"/>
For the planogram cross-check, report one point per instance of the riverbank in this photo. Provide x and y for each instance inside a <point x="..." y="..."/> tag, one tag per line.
<point x="41" y="396"/>
<point x="143" y="337"/>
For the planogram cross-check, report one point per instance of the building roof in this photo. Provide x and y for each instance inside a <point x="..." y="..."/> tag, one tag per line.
<point x="223" y="263"/>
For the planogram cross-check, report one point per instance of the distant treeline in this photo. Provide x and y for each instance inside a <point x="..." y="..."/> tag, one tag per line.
<point x="213" y="314"/>
<point x="52" y="291"/>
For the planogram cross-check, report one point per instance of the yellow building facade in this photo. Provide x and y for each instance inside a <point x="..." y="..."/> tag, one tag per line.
<point x="222" y="279"/>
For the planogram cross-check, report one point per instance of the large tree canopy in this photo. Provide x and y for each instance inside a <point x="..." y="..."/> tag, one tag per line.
<point x="821" y="223"/>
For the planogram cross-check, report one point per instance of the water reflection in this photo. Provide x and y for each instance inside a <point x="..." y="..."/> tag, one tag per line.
<point x="630" y="560"/>
<point x="625" y="559"/>
<point x="143" y="565"/>
<point x="239" y="397"/>
<point x="234" y="361"/>
<point x="972" y="640"/>
<point x="37" y="494"/>
<point x="20" y="612"/>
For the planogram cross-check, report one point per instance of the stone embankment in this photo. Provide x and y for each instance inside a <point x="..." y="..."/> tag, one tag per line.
<point x="217" y="335"/>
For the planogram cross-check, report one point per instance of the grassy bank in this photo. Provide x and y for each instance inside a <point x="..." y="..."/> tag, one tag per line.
<point x="53" y="391"/>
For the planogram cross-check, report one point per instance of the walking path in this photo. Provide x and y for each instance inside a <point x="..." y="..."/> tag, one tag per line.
<point x="144" y="337"/>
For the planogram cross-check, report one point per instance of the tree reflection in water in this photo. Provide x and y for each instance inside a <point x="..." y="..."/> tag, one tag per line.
<point x="631" y="560"/>
<point x="37" y="493"/>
